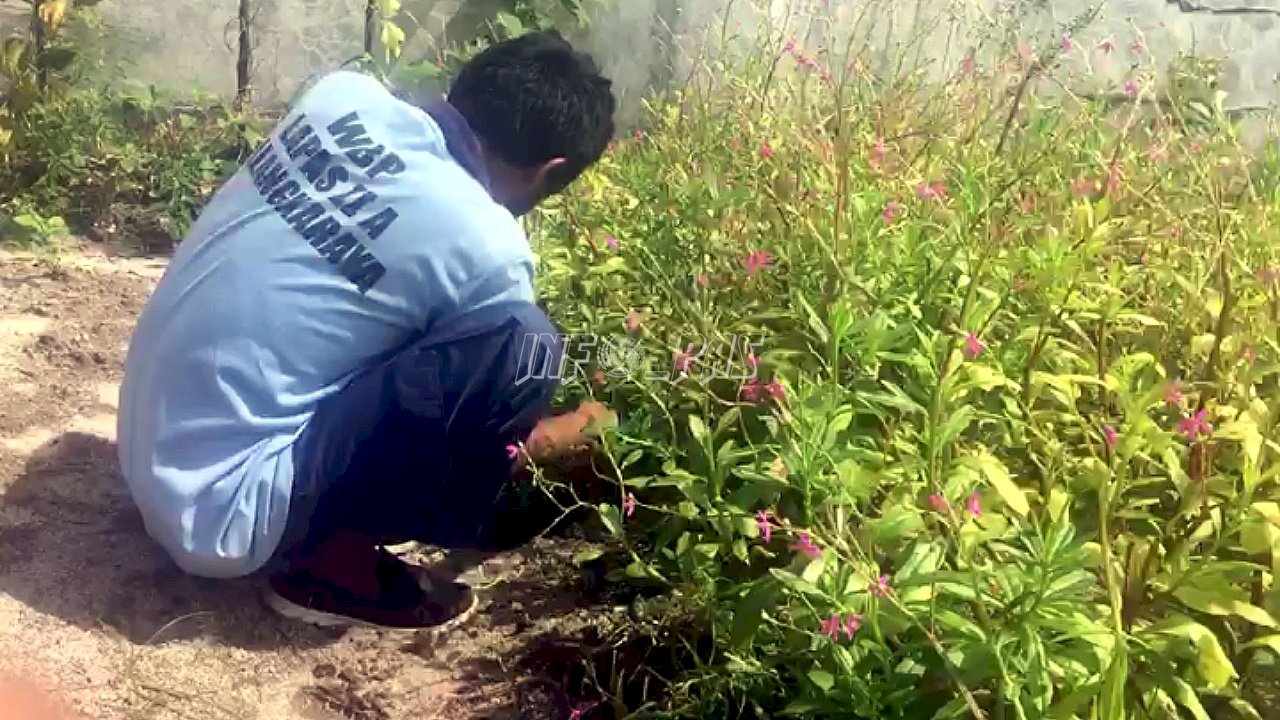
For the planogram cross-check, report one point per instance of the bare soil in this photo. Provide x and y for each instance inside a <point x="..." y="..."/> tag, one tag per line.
<point x="90" y="606"/>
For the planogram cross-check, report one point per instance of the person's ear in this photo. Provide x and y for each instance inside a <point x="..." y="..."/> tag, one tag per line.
<point x="541" y="173"/>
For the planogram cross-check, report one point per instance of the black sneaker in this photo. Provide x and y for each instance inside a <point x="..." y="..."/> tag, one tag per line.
<point x="409" y="599"/>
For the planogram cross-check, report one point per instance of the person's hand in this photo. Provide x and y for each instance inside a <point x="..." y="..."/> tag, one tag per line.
<point x="564" y="435"/>
<point x="591" y="411"/>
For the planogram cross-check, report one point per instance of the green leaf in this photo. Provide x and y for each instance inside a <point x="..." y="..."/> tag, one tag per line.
<point x="1245" y="710"/>
<point x="1244" y="430"/>
<point x="638" y="570"/>
<point x="794" y="582"/>
<point x="1211" y="662"/>
<point x="1214" y="603"/>
<point x="511" y="24"/>
<point x="611" y="516"/>
<point x="955" y="425"/>
<point x="998" y="476"/>
<point x="895" y="523"/>
<point x="1186" y="696"/>
<point x="1068" y="706"/>
<point x="585" y="556"/>
<point x="698" y="428"/>
<point x="1267" y="641"/>
<point x="804" y="708"/>
<point x="750" y="611"/>
<point x="823" y="679"/>
<point x="1111" y="705"/>
<point x="813" y="570"/>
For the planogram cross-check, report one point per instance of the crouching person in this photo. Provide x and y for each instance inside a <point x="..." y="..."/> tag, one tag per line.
<point x="337" y="358"/>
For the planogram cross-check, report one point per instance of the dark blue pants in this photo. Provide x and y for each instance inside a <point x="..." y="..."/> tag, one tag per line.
<point x="415" y="449"/>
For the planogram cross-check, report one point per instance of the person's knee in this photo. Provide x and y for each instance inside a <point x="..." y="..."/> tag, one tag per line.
<point x="532" y="319"/>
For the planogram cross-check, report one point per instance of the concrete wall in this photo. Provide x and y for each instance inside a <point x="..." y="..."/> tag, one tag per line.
<point x="189" y="44"/>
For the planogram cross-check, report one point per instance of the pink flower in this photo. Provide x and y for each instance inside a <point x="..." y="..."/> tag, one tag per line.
<point x="1025" y="52"/>
<point x="752" y="360"/>
<point x="852" y="622"/>
<point x="973" y="347"/>
<point x="1249" y="354"/>
<point x="879" y="150"/>
<point x="638" y="135"/>
<point x="880" y="586"/>
<point x="513" y="452"/>
<point x="633" y="322"/>
<point x="1195" y="425"/>
<point x="938" y="503"/>
<point x="806" y="546"/>
<point x="683" y="361"/>
<point x="1107" y="45"/>
<point x="701" y="281"/>
<point x="1157" y="153"/>
<point x="968" y="64"/>
<point x="766" y="150"/>
<point x="974" y="504"/>
<point x="1131" y="88"/>
<point x="757" y="260"/>
<point x="1110" y="435"/>
<point x="629" y="505"/>
<point x="1084" y="187"/>
<point x="931" y="191"/>
<point x="1139" y="45"/>
<point x="1173" y="394"/>
<point x="754" y="391"/>
<point x="831" y="627"/>
<point x="891" y="210"/>
<point x="575" y="714"/>
<point x="611" y="242"/>
<point x="1067" y="44"/>
<point x="765" y="527"/>
<point x="790" y="46"/>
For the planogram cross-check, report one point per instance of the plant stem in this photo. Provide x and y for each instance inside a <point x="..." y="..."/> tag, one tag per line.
<point x="244" y="56"/>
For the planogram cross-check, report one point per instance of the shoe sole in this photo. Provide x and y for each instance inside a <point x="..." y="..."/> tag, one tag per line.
<point x="311" y="616"/>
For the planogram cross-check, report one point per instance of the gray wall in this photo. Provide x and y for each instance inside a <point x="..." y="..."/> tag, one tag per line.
<point x="189" y="44"/>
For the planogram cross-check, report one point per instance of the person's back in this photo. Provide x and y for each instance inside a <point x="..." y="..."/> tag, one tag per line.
<point x="351" y="231"/>
<point x="334" y="360"/>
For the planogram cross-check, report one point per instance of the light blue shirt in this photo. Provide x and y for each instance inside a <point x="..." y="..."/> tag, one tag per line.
<point x="349" y="232"/>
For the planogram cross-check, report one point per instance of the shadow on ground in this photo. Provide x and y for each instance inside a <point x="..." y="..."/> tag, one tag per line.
<point x="73" y="546"/>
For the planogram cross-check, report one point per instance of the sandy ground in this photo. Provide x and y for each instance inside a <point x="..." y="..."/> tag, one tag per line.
<point x="89" y="605"/>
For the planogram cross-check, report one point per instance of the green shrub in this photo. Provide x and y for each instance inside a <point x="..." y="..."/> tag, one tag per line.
<point x="129" y="163"/>
<point x="1010" y="449"/>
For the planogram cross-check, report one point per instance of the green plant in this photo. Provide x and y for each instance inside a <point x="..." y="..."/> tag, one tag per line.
<point x="1010" y="451"/>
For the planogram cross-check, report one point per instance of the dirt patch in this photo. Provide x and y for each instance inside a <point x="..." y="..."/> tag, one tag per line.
<point x="89" y="605"/>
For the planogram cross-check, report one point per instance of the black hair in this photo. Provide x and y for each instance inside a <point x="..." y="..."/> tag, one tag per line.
<point x="534" y="98"/>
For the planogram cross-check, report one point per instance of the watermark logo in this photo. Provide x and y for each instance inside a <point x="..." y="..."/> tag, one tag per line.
<point x="621" y="357"/>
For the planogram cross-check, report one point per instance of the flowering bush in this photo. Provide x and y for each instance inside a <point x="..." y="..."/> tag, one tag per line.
<point x="1006" y="447"/>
